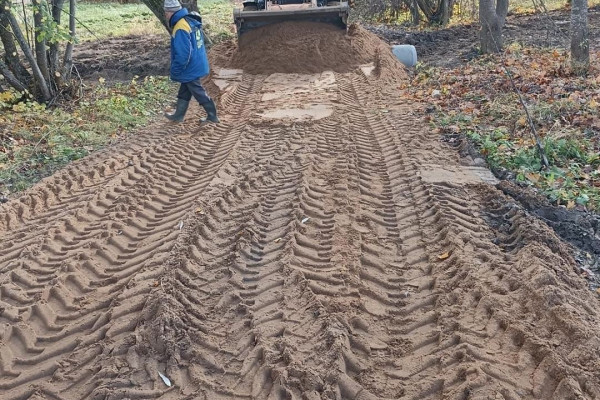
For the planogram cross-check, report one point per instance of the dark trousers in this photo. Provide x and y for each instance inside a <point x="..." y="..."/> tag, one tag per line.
<point x="193" y="88"/>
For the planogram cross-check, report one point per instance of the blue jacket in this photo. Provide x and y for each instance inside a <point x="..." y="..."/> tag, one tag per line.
<point x="188" y="53"/>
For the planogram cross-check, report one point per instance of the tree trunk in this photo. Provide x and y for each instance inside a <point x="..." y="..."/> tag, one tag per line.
<point x="41" y="55"/>
<point x="36" y="67"/>
<point x="191" y="5"/>
<point x="414" y="12"/>
<point x="68" y="59"/>
<point x="492" y="15"/>
<point x="443" y="13"/>
<point x="11" y="58"/>
<point x="42" y="85"/>
<point x="426" y="7"/>
<point x="57" y="9"/>
<point x="156" y="6"/>
<point x="580" y="44"/>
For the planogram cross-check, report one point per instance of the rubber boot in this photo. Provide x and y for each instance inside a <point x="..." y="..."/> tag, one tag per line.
<point x="211" y="113"/>
<point x="180" y="110"/>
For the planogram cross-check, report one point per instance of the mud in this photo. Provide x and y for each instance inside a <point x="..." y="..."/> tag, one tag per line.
<point x="122" y="58"/>
<point x="579" y="228"/>
<point x="351" y="256"/>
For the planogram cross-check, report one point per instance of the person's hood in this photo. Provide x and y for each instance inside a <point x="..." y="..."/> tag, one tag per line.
<point x="177" y="16"/>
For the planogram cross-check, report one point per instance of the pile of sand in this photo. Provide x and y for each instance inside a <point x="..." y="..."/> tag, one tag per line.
<point x="312" y="47"/>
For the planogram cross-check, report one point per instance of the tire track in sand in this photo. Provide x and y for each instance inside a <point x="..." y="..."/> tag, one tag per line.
<point x="68" y="283"/>
<point x="231" y="258"/>
<point x="471" y="350"/>
<point x="317" y="260"/>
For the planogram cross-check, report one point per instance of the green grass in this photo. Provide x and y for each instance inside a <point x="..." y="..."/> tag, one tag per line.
<point x="573" y="178"/>
<point x="112" y="20"/>
<point x="106" y="20"/>
<point x="574" y="166"/>
<point x="44" y="140"/>
<point x="217" y="16"/>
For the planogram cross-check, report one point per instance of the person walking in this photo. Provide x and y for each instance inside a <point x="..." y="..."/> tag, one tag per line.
<point x="189" y="62"/>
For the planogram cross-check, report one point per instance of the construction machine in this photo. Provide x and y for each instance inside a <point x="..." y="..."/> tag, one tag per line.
<point x="257" y="13"/>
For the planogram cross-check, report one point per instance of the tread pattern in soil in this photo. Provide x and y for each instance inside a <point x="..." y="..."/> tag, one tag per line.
<point x="263" y="260"/>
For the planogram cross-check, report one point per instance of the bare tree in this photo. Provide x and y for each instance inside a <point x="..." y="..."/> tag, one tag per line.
<point x="434" y="11"/>
<point x="34" y="67"/>
<point x="492" y="15"/>
<point x="580" y="44"/>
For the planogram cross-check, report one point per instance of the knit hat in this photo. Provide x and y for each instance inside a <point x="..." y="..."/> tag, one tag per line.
<point x="172" y="5"/>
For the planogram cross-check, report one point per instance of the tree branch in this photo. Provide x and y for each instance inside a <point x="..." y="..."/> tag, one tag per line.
<point x="26" y="22"/>
<point x="10" y="78"/>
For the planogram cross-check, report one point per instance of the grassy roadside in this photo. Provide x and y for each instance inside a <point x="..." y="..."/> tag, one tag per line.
<point x="36" y="141"/>
<point x="477" y="100"/>
<point x="106" y="20"/>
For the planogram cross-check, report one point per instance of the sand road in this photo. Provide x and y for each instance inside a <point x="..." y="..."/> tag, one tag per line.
<point x="319" y="243"/>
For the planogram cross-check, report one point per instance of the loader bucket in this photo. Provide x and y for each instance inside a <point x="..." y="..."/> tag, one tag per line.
<point x="248" y="20"/>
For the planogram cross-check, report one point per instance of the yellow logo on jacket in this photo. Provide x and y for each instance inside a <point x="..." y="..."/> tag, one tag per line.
<point x="185" y="26"/>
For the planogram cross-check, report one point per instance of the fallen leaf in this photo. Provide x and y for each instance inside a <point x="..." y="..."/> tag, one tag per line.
<point x="444" y="256"/>
<point x="533" y="177"/>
